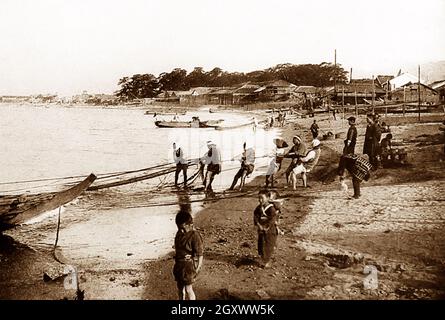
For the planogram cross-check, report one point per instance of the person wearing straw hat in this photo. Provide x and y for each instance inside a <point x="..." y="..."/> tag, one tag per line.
<point x="181" y="163"/>
<point x="212" y="158"/>
<point x="297" y="151"/>
<point x="306" y="164"/>
<point x="351" y="137"/>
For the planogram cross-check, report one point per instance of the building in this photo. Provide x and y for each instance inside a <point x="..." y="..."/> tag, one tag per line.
<point x="275" y="90"/>
<point x="384" y="81"/>
<point x="195" y="96"/>
<point x="224" y="96"/>
<point x="439" y="86"/>
<point x="247" y="93"/>
<point x="409" y="93"/>
<point x="357" y="91"/>
<point x="402" y="80"/>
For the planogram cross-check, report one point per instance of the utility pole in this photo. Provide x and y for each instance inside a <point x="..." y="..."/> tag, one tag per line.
<point x="418" y="90"/>
<point x="335" y="73"/>
<point x="373" y="94"/>
<point x="404" y="99"/>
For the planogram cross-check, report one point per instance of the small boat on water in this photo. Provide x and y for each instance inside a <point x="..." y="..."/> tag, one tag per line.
<point x="17" y="209"/>
<point x="161" y="113"/>
<point x="195" y="123"/>
<point x="219" y="127"/>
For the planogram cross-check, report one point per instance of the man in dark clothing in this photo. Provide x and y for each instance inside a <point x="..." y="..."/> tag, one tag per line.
<point x="351" y="137"/>
<point x="358" y="167"/>
<point x="314" y="129"/>
<point x="370" y="146"/>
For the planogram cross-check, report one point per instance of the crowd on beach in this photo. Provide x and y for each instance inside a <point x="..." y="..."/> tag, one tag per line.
<point x="303" y="160"/>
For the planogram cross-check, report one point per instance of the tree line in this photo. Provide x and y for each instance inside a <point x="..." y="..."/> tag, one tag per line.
<point x="148" y="86"/>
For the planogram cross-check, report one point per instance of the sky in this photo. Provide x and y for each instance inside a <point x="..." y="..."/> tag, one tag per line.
<point x="67" y="46"/>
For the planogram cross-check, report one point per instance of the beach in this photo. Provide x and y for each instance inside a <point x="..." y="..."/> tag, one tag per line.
<point x="396" y="227"/>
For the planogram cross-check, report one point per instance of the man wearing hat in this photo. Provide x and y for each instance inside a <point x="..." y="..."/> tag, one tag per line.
<point x="351" y="137"/>
<point x="297" y="151"/>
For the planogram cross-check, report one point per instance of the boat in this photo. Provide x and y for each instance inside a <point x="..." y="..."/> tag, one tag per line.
<point x="219" y="127"/>
<point x="175" y="124"/>
<point x="17" y="209"/>
<point x="160" y="113"/>
<point x="195" y="123"/>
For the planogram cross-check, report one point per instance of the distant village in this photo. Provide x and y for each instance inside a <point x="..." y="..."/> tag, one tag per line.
<point x="383" y="89"/>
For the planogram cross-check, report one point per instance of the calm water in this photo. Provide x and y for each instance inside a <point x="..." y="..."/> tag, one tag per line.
<point x="54" y="141"/>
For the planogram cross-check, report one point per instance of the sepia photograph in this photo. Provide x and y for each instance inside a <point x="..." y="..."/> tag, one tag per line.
<point x="253" y="150"/>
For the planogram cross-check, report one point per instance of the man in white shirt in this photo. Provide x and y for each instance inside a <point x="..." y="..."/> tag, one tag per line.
<point x="212" y="158"/>
<point x="181" y="164"/>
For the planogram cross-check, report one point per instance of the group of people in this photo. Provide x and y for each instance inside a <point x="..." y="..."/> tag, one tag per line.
<point x="280" y="119"/>
<point x="302" y="161"/>
<point x="211" y="163"/>
<point x="188" y="242"/>
<point x="378" y="151"/>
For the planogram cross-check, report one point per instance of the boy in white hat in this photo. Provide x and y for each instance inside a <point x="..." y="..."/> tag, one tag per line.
<point x="306" y="164"/>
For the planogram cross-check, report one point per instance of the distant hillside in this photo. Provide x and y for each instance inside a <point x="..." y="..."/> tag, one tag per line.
<point x="430" y="72"/>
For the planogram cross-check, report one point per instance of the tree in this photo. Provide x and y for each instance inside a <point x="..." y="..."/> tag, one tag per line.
<point x="174" y="80"/>
<point x="137" y="87"/>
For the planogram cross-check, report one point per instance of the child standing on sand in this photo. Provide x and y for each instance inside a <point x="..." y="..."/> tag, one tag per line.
<point x="264" y="218"/>
<point x="188" y="255"/>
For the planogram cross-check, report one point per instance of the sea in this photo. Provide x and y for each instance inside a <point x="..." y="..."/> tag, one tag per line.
<point x="42" y="144"/>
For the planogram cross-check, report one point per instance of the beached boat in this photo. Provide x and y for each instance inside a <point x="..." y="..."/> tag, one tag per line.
<point x="17" y="209"/>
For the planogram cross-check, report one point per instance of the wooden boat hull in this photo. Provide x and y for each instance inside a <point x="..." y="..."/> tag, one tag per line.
<point x="235" y="126"/>
<point x="189" y="124"/>
<point x="17" y="209"/>
<point x="160" y="113"/>
<point x="173" y="124"/>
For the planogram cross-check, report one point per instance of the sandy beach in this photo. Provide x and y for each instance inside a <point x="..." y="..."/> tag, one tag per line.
<point x="396" y="226"/>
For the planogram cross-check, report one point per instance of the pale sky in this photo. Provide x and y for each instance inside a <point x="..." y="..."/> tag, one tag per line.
<point x="66" y="46"/>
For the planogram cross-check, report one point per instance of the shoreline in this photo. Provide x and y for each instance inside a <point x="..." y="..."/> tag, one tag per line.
<point x="306" y="265"/>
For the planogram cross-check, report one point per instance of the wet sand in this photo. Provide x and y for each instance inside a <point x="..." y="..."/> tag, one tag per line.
<point x="397" y="226"/>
